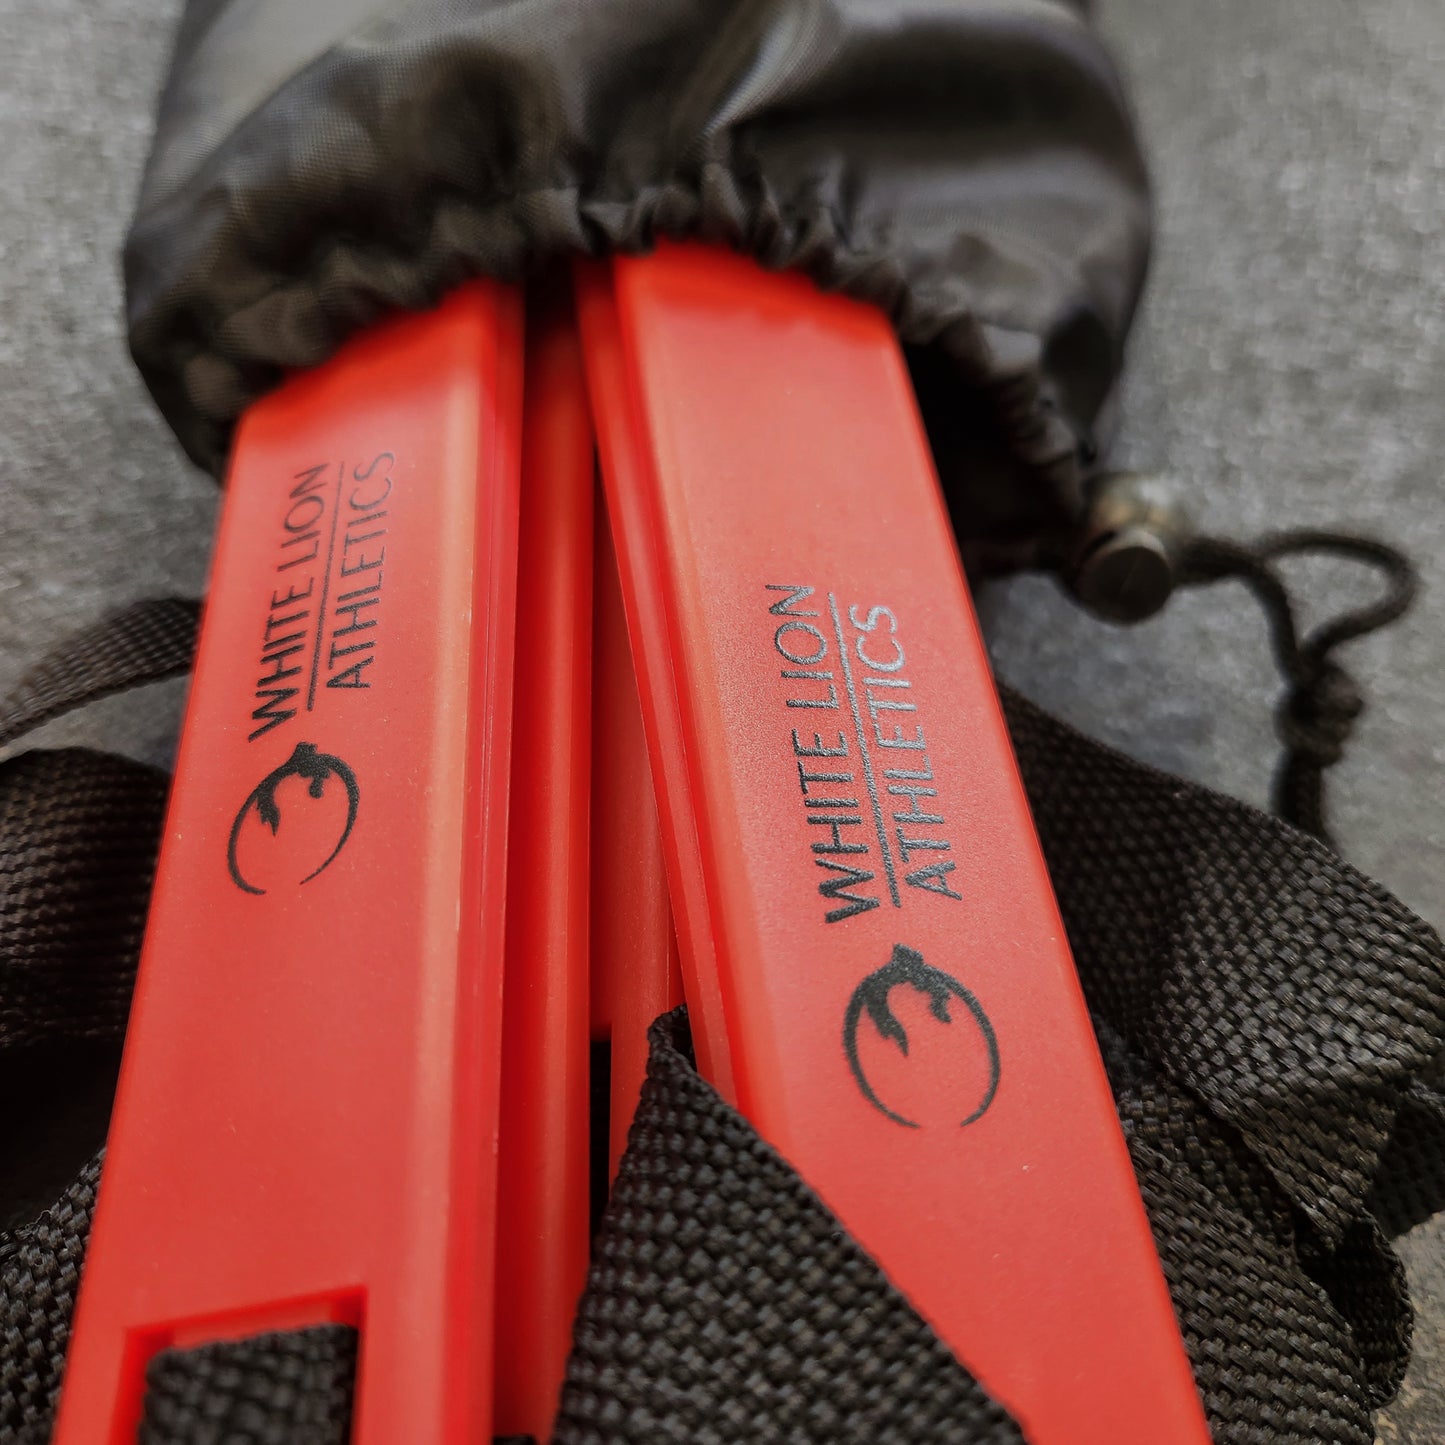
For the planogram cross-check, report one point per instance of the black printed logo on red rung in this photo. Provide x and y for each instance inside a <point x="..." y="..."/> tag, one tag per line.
<point x="261" y="853"/>
<point x="950" y="1074"/>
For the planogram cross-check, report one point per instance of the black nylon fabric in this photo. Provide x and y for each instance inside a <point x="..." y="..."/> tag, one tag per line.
<point x="971" y="168"/>
<point x="1266" y="1012"/>
<point x="147" y="642"/>
<point x="1294" y="998"/>
<point x="291" y="1387"/>
<point x="1286" y="1344"/>
<point x="78" y="832"/>
<point x="727" y="1304"/>
<point x="722" y="1294"/>
<point x="78" y="835"/>
<point x="1410" y="1186"/>
<point x="39" y="1277"/>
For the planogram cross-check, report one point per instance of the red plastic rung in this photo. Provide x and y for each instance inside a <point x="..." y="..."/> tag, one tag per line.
<point x="874" y="963"/>
<point x="306" y="1122"/>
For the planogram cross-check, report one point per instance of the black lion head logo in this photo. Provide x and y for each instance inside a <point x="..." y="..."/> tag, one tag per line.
<point x="944" y="992"/>
<point x="316" y="767"/>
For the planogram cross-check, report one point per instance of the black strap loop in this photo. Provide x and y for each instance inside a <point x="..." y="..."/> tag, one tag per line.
<point x="1323" y="703"/>
<point x="147" y="642"/>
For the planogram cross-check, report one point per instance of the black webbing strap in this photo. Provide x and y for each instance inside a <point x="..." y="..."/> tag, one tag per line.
<point x="144" y="643"/>
<point x="1292" y="996"/>
<point x="40" y="1266"/>
<point x="726" y="1303"/>
<point x="1266" y="1011"/>
<point x="1410" y="1186"/>
<point x="78" y="838"/>
<point x="293" y="1387"/>
<point x="78" y="835"/>
<point x="1289" y="1343"/>
<point x="1271" y="1021"/>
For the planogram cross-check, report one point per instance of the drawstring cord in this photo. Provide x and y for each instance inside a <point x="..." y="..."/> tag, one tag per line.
<point x="1323" y="703"/>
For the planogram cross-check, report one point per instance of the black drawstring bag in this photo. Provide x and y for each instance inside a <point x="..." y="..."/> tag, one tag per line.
<point x="1271" y="1021"/>
<point x="973" y="169"/>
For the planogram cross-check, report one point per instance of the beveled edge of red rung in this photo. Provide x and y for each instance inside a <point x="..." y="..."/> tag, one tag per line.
<point x="636" y="971"/>
<point x="543" y="1225"/>
<point x="620" y="430"/>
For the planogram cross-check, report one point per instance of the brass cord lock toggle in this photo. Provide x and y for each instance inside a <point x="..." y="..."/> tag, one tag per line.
<point x="1128" y="560"/>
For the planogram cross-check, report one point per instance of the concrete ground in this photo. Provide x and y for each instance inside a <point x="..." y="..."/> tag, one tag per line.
<point x="1289" y="369"/>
